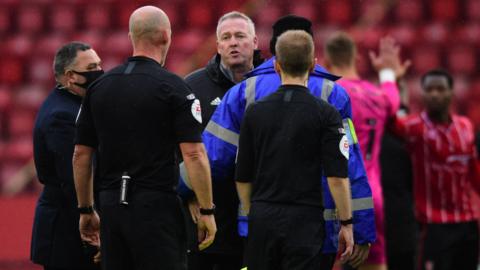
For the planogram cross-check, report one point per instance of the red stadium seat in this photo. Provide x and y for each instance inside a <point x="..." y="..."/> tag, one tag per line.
<point x="199" y="15"/>
<point x="20" y="123"/>
<point x="425" y="58"/>
<point x="11" y="70"/>
<point x="30" y="19"/>
<point x="93" y="38"/>
<point x="404" y="34"/>
<point x="337" y="12"/>
<point x="227" y="6"/>
<point x="20" y="45"/>
<point x="468" y="34"/>
<point x="96" y="17"/>
<point x="118" y="44"/>
<point x="368" y="37"/>
<point x="30" y="96"/>
<point x="63" y="19"/>
<point x="173" y="15"/>
<point x="5" y="99"/>
<point x="41" y="70"/>
<point x="47" y="45"/>
<point x="462" y="60"/>
<point x="122" y="15"/>
<point x="174" y="62"/>
<point x="5" y="20"/>
<point x="268" y="16"/>
<point x="435" y="33"/>
<point x="304" y="8"/>
<point x="18" y="150"/>
<point x="188" y="41"/>
<point x="410" y="11"/>
<point x="444" y="10"/>
<point x="264" y="35"/>
<point x="473" y="10"/>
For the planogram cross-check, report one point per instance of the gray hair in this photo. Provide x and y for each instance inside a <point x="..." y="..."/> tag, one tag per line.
<point x="66" y="56"/>
<point x="236" y="15"/>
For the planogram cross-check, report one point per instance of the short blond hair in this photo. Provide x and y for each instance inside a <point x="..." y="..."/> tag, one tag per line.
<point x="236" y="15"/>
<point x="295" y="52"/>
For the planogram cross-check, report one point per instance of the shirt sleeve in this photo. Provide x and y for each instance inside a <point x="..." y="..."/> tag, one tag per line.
<point x="246" y="156"/>
<point x="392" y="96"/>
<point x="85" y="132"/>
<point x="335" y="146"/>
<point x="187" y="114"/>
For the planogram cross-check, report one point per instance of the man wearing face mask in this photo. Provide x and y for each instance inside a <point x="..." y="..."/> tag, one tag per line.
<point x="56" y="242"/>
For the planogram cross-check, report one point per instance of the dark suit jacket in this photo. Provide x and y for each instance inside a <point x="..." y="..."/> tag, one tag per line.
<point x="55" y="239"/>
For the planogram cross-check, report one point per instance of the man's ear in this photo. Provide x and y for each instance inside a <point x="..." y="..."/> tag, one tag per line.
<point x="277" y="67"/>
<point x="312" y="67"/>
<point x="69" y="77"/>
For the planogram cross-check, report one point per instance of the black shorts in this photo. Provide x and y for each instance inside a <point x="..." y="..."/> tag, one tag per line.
<point x="284" y="237"/>
<point x="147" y="234"/>
<point x="448" y="246"/>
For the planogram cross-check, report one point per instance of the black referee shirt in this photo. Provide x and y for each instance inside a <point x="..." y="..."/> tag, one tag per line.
<point x="288" y="140"/>
<point x="135" y="115"/>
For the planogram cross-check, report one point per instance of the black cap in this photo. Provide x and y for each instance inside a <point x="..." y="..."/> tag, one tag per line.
<point x="289" y="22"/>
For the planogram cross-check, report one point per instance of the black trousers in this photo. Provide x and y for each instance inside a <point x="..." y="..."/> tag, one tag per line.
<point x="449" y="246"/>
<point x="147" y="234"/>
<point x="214" y="261"/>
<point x="284" y="237"/>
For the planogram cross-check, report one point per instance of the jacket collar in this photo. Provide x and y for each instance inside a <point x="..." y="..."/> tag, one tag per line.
<point x="214" y="72"/>
<point x="64" y="91"/>
<point x="267" y="68"/>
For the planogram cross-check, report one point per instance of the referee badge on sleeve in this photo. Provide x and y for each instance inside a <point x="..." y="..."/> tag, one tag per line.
<point x="197" y="110"/>
<point x="344" y="146"/>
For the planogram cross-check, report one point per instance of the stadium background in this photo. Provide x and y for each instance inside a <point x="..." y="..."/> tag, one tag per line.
<point x="433" y="33"/>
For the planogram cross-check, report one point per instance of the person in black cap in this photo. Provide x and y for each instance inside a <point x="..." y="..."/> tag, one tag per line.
<point x="289" y="22"/>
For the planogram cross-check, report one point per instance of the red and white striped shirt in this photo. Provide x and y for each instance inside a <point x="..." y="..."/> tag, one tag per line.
<point x="445" y="167"/>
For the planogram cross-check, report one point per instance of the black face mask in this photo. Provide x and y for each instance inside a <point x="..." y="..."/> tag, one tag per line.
<point x="90" y="77"/>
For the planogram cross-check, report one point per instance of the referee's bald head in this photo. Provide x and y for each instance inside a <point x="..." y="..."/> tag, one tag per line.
<point x="149" y="24"/>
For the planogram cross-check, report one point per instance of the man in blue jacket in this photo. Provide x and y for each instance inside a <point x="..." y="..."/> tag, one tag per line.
<point x="56" y="242"/>
<point x="222" y="133"/>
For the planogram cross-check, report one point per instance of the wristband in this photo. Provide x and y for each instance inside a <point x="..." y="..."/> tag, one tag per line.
<point x="207" y="212"/>
<point x="387" y="75"/>
<point x="86" y="210"/>
<point x="346" y="222"/>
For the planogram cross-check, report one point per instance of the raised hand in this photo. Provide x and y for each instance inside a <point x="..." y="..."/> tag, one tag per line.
<point x="389" y="57"/>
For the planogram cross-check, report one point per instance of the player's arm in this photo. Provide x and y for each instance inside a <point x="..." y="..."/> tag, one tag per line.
<point x="362" y="202"/>
<point x="85" y="144"/>
<point x="245" y="166"/>
<point x="187" y="126"/>
<point x="335" y="154"/>
<point x="220" y="138"/>
<point x="390" y="68"/>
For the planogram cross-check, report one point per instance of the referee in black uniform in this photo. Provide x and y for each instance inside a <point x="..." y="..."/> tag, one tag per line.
<point x="288" y="140"/>
<point x="134" y="116"/>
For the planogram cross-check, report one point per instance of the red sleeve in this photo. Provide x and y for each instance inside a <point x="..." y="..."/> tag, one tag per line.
<point x="475" y="171"/>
